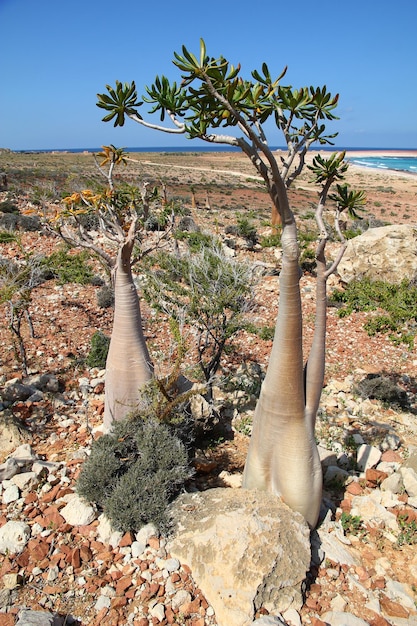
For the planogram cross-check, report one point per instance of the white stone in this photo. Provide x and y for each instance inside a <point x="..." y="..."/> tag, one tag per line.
<point x="372" y="512"/>
<point x="103" y="602"/>
<point x="181" y="597"/>
<point x="24" y="453"/>
<point x="409" y="477"/>
<point x="400" y="593"/>
<point x="146" y="532"/>
<point x="393" y="483"/>
<point x="137" y="549"/>
<point x="158" y="611"/>
<point x="78" y="513"/>
<point x="106" y="533"/>
<point x="53" y="573"/>
<point x="339" y="618"/>
<point x="11" y="494"/>
<point x="368" y="457"/>
<point x="25" y="480"/>
<point x="14" y="537"/>
<point x="171" y="565"/>
<point x="291" y="617"/>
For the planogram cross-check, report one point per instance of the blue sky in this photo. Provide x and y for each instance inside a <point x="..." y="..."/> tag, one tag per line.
<point x="56" y="55"/>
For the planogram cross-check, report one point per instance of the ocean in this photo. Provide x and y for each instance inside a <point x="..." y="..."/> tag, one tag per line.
<point x="397" y="163"/>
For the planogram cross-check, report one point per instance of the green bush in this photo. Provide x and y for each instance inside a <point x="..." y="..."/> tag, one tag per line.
<point x="271" y="241"/>
<point x="69" y="268"/>
<point x="196" y="240"/>
<point x="134" y="472"/>
<point x="99" y="349"/>
<point x="7" y="206"/>
<point x="396" y="303"/>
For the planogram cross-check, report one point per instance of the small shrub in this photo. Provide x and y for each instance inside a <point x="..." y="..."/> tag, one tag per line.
<point x="382" y="388"/>
<point x="7" y="237"/>
<point x="408" y="531"/>
<point x="247" y="230"/>
<point x="69" y="268"/>
<point x="271" y="241"/>
<point x="351" y="523"/>
<point x="105" y="297"/>
<point x="196" y="240"/>
<point x="99" y="349"/>
<point x="7" y="206"/>
<point x="134" y="472"/>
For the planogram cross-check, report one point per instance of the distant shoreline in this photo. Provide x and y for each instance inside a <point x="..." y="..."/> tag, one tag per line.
<point x="352" y="151"/>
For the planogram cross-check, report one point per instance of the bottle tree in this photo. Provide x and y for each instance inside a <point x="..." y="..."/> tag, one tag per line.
<point x="117" y="215"/>
<point x="215" y="103"/>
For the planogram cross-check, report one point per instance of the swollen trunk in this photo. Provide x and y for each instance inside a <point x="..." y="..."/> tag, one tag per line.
<point x="283" y="457"/>
<point x="128" y="365"/>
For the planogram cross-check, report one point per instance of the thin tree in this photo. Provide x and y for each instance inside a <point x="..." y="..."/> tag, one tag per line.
<point x="212" y="97"/>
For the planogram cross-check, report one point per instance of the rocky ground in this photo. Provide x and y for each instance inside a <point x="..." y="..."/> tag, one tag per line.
<point x="364" y="562"/>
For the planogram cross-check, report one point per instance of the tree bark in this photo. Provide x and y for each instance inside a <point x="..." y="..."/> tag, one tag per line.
<point x="128" y="365"/>
<point x="283" y="456"/>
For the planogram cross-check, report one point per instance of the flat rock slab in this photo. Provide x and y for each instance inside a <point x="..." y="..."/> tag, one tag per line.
<point x="246" y="550"/>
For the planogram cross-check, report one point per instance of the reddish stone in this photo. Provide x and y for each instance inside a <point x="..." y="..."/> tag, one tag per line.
<point x="51" y="590"/>
<point x="346" y="505"/>
<point x="75" y="558"/>
<point x="85" y="553"/>
<point x="66" y="550"/>
<point x="99" y="388"/>
<point x="394" y="609"/>
<point x="154" y="543"/>
<point x="390" y="456"/>
<point x="175" y="577"/>
<point x="31" y="497"/>
<point x="50" y="495"/>
<point x="190" y="608"/>
<point x="116" y="575"/>
<point x="126" y="540"/>
<point x="362" y="573"/>
<point x="198" y="622"/>
<point x="315" y="621"/>
<point x="379" y="621"/>
<point x="97" y="546"/>
<point x="89" y="530"/>
<point x="50" y="518"/>
<point x="141" y="622"/>
<point x="123" y="584"/>
<point x="311" y="603"/>
<point x="169" y="615"/>
<point x="23" y="558"/>
<point x="101" y="615"/>
<point x="354" y="489"/>
<point x="130" y="593"/>
<point x="6" y="567"/>
<point x="7" y="619"/>
<point x="374" y="476"/>
<point x="118" y="602"/>
<point x="56" y="558"/>
<point x="38" y="549"/>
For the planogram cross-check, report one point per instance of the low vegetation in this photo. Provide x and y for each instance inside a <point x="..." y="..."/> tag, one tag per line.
<point x="394" y="307"/>
<point x="126" y="479"/>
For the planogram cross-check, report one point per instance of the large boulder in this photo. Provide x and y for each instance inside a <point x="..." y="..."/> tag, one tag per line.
<point x="247" y="550"/>
<point x="387" y="253"/>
